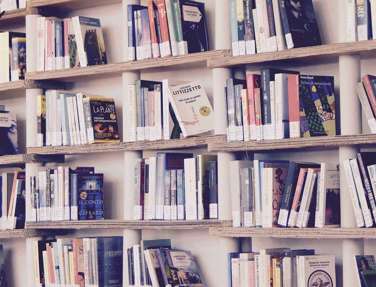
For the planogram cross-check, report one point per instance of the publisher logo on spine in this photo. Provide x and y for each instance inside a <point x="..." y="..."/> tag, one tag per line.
<point x="320" y="278"/>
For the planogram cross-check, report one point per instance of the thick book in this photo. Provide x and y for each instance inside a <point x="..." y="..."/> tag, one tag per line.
<point x="110" y="261"/>
<point x="366" y="270"/>
<point x="192" y="108"/>
<point x="299" y="23"/>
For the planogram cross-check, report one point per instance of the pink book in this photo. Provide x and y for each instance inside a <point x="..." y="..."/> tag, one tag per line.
<point x="294" y="108"/>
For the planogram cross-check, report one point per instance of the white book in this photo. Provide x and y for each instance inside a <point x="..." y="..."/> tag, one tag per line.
<point x="60" y="118"/>
<point x="287" y="272"/>
<point x="71" y="126"/>
<point x="4" y="199"/>
<point x="361" y="193"/>
<point x="306" y="196"/>
<point x="32" y="42"/>
<point x="263" y="25"/>
<point x="366" y="107"/>
<point x="353" y="193"/>
<point x="171" y="28"/>
<point x="281" y="45"/>
<point x="245" y="114"/>
<point x="137" y="208"/>
<point x="157" y="115"/>
<point x="235" y="272"/>
<point x="160" y="187"/>
<point x="165" y="110"/>
<point x="281" y="106"/>
<point x="257" y="188"/>
<point x="41" y="33"/>
<point x="81" y="119"/>
<point x="272" y="110"/>
<point x="321" y="197"/>
<point x="267" y="197"/>
<point x="130" y="114"/>
<point x="76" y="120"/>
<point x="372" y="175"/>
<point x="264" y="268"/>
<point x="234" y="174"/>
<point x="362" y="20"/>
<point x="373" y="18"/>
<point x="351" y="26"/>
<point x="192" y="108"/>
<point x="79" y="41"/>
<point x="257" y="31"/>
<point x="64" y="212"/>
<point x="152" y="188"/>
<point x="68" y="209"/>
<point x="152" y="262"/>
<point x="190" y="189"/>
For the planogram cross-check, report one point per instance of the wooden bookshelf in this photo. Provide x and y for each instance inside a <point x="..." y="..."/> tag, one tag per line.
<point x="196" y="59"/>
<point x="71" y="4"/>
<point x="16" y="233"/>
<point x="16" y="159"/>
<point x="12" y="86"/>
<point x="121" y="224"/>
<point x="297" y="233"/>
<point x="77" y="149"/>
<point x="13" y="17"/>
<point x="328" y="51"/>
<point x="221" y="143"/>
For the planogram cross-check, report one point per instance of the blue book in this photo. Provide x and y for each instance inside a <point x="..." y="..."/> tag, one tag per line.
<point x="90" y="197"/>
<point x="110" y="261"/>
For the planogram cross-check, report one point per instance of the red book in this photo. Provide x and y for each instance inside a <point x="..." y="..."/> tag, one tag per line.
<point x="294" y="107"/>
<point x="370" y="94"/>
<point x="163" y="23"/>
<point x="78" y="259"/>
<point x="253" y="82"/>
<point x="50" y="264"/>
<point x="153" y="31"/>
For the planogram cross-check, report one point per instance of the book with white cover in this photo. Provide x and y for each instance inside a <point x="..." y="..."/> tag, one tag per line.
<point x="373" y="17"/>
<point x="351" y="28"/>
<point x="257" y="186"/>
<point x="151" y="207"/>
<point x="281" y="45"/>
<point x="267" y="197"/>
<point x="31" y="42"/>
<point x="315" y="269"/>
<point x="306" y="197"/>
<point x="361" y="193"/>
<point x="192" y="108"/>
<point x="190" y="189"/>
<point x="130" y="114"/>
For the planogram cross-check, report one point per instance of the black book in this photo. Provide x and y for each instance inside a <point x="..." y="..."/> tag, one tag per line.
<point x="195" y="31"/>
<point x="20" y="211"/>
<point x="366" y="270"/>
<point x="110" y="261"/>
<point x="8" y="133"/>
<point x="299" y="23"/>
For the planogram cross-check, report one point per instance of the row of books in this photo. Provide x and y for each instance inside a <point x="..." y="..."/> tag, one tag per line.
<point x="9" y="5"/>
<point x="360" y="20"/>
<point x="176" y="186"/>
<point x="155" y="263"/>
<point x="166" y="27"/>
<point x="12" y="198"/>
<point x="64" y="43"/>
<point x="361" y="180"/>
<point x="279" y="104"/>
<point x="77" y="261"/>
<point x="67" y="118"/>
<point x="156" y="110"/>
<point x="63" y="193"/>
<point x="367" y="97"/>
<point x="272" y="25"/>
<point x="8" y="132"/>
<point x="282" y="267"/>
<point x="12" y="56"/>
<point x="270" y="193"/>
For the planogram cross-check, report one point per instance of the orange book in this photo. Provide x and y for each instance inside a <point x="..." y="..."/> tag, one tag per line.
<point x="78" y="259"/>
<point x="253" y="82"/>
<point x="153" y="29"/>
<point x="164" y="46"/>
<point x="293" y="104"/>
<point x="50" y="264"/>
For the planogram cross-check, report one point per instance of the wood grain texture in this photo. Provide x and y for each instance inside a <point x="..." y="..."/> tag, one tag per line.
<point x="221" y="144"/>
<point x="12" y="86"/>
<point x="16" y="159"/>
<point x="297" y="233"/>
<point x="121" y="224"/>
<point x="16" y="233"/>
<point x="78" y="149"/>
<point x="314" y="52"/>
<point x="117" y="69"/>
<point x="71" y="4"/>
<point x="13" y="17"/>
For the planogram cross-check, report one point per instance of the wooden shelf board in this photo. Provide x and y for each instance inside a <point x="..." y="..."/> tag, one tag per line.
<point x="71" y="4"/>
<point x="12" y="86"/>
<point x="117" y="69"/>
<point x="16" y="233"/>
<point x="14" y="159"/>
<point x="221" y="144"/>
<point x="122" y="224"/>
<point x="77" y="149"/>
<point x="306" y="53"/>
<point x="13" y="17"/>
<point x="297" y="233"/>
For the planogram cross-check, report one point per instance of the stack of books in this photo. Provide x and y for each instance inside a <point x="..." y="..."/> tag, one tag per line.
<point x="361" y="178"/>
<point x="8" y="132"/>
<point x="77" y="261"/>
<point x="282" y="193"/>
<point x="10" y="5"/>
<point x="282" y="267"/>
<point x="156" y="110"/>
<point x="177" y="186"/>
<point x="360" y="20"/>
<point x="279" y="104"/>
<point x="12" y="198"/>
<point x="12" y="56"/>
<point x="62" y="193"/>
<point x="66" y="118"/>
<point x="273" y="25"/>
<point x="166" y="27"/>
<point x="65" y="43"/>
<point x="155" y="263"/>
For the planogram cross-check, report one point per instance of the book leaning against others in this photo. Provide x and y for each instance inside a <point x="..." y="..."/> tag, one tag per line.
<point x="192" y="108"/>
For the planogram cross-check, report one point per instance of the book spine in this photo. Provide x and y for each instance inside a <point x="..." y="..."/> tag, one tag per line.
<point x="160" y="187"/>
<point x="258" y="113"/>
<point x="240" y="26"/>
<point x="267" y="197"/>
<point x="366" y="107"/>
<point x="238" y="113"/>
<point x="245" y="114"/>
<point x="266" y="104"/>
<point x="293" y="105"/>
<point x="80" y="41"/>
<point x="351" y="25"/>
<point x="167" y="195"/>
<point x="153" y="30"/>
<point x="172" y="28"/>
<point x="81" y="119"/>
<point x="131" y="34"/>
<point x="304" y="203"/>
<point x="272" y="37"/>
<point x="321" y="198"/>
<point x="234" y="28"/>
<point x="257" y="31"/>
<point x="235" y="194"/>
<point x="272" y="110"/>
<point x="164" y="46"/>
<point x="32" y="39"/>
<point x="213" y="190"/>
<point x="251" y="105"/>
<point x="369" y="91"/>
<point x="285" y="24"/>
<point x="367" y="185"/>
<point x="362" y="19"/>
<point x="190" y="189"/>
<point x="180" y="194"/>
<point x="281" y="44"/>
<point x="231" y="122"/>
<point x="182" y="45"/>
<point x="287" y="195"/>
<point x="59" y="44"/>
<point x="173" y="189"/>
<point x="249" y="29"/>
<point x="279" y="104"/>
<point x="257" y="188"/>
<point x="297" y="198"/>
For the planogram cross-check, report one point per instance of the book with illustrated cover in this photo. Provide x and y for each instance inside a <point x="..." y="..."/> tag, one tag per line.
<point x="90" y="197"/>
<point x="316" y="270"/>
<point x="104" y="119"/>
<point x="195" y="31"/>
<point x="89" y="39"/>
<point x="299" y="23"/>
<point x="18" y="61"/>
<point x="192" y="108"/>
<point x="318" y="102"/>
<point x="366" y="266"/>
<point x="8" y="133"/>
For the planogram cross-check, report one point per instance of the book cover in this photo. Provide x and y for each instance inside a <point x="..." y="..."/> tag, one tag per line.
<point x="19" y="209"/>
<point x="18" y="60"/>
<point x="110" y="261"/>
<point x="90" y="197"/>
<point x="8" y="133"/>
<point x="192" y="108"/>
<point x="333" y="206"/>
<point x="318" y="101"/>
<point x="195" y="31"/>
<point x="299" y="23"/>
<point x="366" y="268"/>
<point x="316" y="270"/>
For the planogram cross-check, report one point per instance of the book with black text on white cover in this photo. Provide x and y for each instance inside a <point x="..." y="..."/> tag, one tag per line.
<point x="192" y="108"/>
<point x="316" y="271"/>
